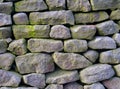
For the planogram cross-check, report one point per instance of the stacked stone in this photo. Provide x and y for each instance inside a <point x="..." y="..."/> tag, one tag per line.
<point x="59" y="44"/>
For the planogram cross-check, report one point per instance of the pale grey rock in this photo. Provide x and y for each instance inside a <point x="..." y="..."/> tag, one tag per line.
<point x="18" y="88"/>
<point x="102" y="42"/>
<point x="96" y="73"/>
<point x="83" y="31"/>
<point x="75" y="45"/>
<point x="6" y="61"/>
<point x="10" y="79"/>
<point x="18" y="47"/>
<point x="34" y="62"/>
<point x="79" y="5"/>
<point x="35" y="80"/>
<point x="94" y="86"/>
<point x="45" y="45"/>
<point x="8" y="40"/>
<point x="3" y="46"/>
<point x="60" y="32"/>
<point x="115" y="15"/>
<point x="54" y="86"/>
<point x="52" y="17"/>
<point x="117" y="69"/>
<point x="62" y="77"/>
<point x="116" y="37"/>
<point x="30" y="5"/>
<point x="1" y="1"/>
<point x="20" y="19"/>
<point x="107" y="28"/>
<point x="70" y="61"/>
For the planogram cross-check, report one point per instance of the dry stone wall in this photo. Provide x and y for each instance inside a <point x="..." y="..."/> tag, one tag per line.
<point x="59" y="44"/>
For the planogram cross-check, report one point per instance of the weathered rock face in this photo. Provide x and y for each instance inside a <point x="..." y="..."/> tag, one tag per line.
<point x="18" y="88"/>
<point x="94" y="86"/>
<point x="45" y="45"/>
<point x="54" y="86"/>
<point x="115" y="15"/>
<point x="52" y="17"/>
<point x="3" y="46"/>
<point x="116" y="37"/>
<point x="34" y="62"/>
<point x="70" y="61"/>
<point x="62" y="77"/>
<point x="117" y="69"/>
<point x="96" y="73"/>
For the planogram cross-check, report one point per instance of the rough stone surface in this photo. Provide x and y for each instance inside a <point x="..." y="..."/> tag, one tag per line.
<point x="94" y="86"/>
<point x="117" y="69"/>
<point x="5" y="19"/>
<point x="113" y="83"/>
<point x="35" y="80"/>
<point x="73" y="85"/>
<point x="96" y="73"/>
<point x="90" y="17"/>
<point x="3" y="46"/>
<point x="1" y="1"/>
<point x="56" y="4"/>
<point x="5" y="32"/>
<point x="6" y="7"/>
<point x="91" y="55"/>
<point x="79" y="5"/>
<point x="18" y="88"/>
<point x="75" y="45"/>
<point x="70" y="61"/>
<point x="8" y="78"/>
<point x="60" y="32"/>
<point x="83" y="31"/>
<point x="116" y="37"/>
<point x="52" y="17"/>
<point x="107" y="28"/>
<point x="54" y="86"/>
<point x="45" y="45"/>
<point x="28" y="31"/>
<point x="18" y="47"/>
<point x="6" y="60"/>
<point x="28" y="5"/>
<point x="20" y="18"/>
<point x="34" y="62"/>
<point x="102" y="42"/>
<point x="111" y="56"/>
<point x="62" y="77"/>
<point x="115" y="15"/>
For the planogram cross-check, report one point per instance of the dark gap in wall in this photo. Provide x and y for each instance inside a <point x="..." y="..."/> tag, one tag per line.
<point x="66" y="7"/>
<point x="108" y="11"/>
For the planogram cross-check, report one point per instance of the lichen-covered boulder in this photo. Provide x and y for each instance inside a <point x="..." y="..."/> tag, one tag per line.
<point x="117" y="69"/>
<point x="115" y="15"/>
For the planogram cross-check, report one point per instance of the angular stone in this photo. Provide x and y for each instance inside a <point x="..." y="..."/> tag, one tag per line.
<point x="115" y="15"/>
<point x="6" y="7"/>
<point x="18" y="47"/>
<point x="1" y="1"/>
<point x="18" y="88"/>
<point x="8" y="78"/>
<point x="113" y="83"/>
<point x="102" y="42"/>
<point x="94" y="86"/>
<point x="79" y="5"/>
<point x="20" y="18"/>
<point x="91" y="55"/>
<point x="73" y="85"/>
<point x="62" y="77"/>
<point x="54" y="86"/>
<point x="5" y="19"/>
<point x="29" y="31"/>
<point x="116" y="37"/>
<point x="34" y="62"/>
<point x="111" y="57"/>
<point x="83" y="31"/>
<point x="8" y="40"/>
<point x="60" y="32"/>
<point x="117" y="69"/>
<point x="70" y="61"/>
<point x="56" y="4"/>
<point x="52" y="17"/>
<point x="27" y="6"/>
<point x="107" y="28"/>
<point x="6" y="60"/>
<point x="45" y="45"/>
<point x="91" y="17"/>
<point x="96" y="73"/>
<point x="3" y="46"/>
<point x="5" y="32"/>
<point x="35" y="80"/>
<point x="75" y="45"/>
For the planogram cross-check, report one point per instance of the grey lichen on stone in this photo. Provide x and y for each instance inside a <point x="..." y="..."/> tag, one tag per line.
<point x="62" y="77"/>
<point x="45" y="45"/>
<point x="18" y="47"/>
<point x="3" y="46"/>
<point x="116" y="37"/>
<point x="34" y="62"/>
<point x="52" y="17"/>
<point x="96" y="73"/>
<point x="117" y="69"/>
<point x="94" y="86"/>
<point x="70" y="61"/>
<point x="115" y="15"/>
<point x="54" y="86"/>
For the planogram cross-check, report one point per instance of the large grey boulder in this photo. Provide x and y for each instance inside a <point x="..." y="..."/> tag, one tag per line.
<point x="117" y="69"/>
<point x="3" y="46"/>
<point x="94" y="86"/>
<point x="54" y="86"/>
<point x="116" y="37"/>
<point x="34" y="62"/>
<point x="52" y="17"/>
<point x="96" y="73"/>
<point x="45" y="45"/>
